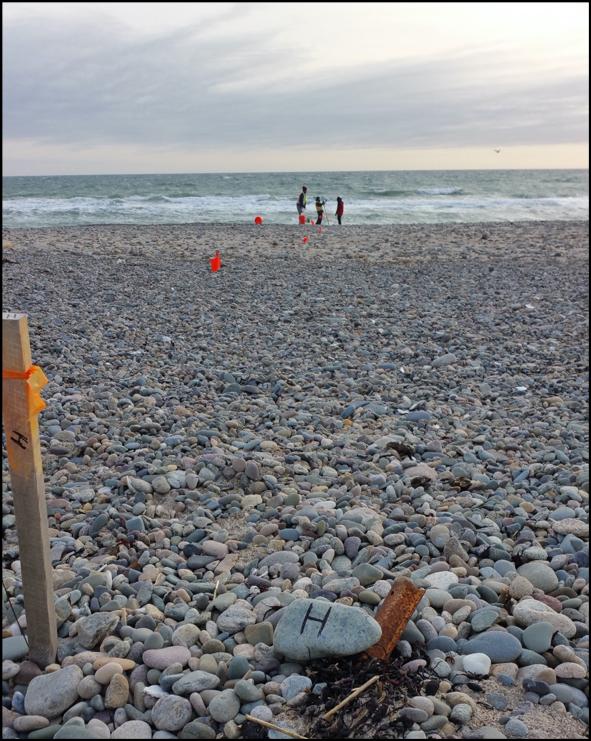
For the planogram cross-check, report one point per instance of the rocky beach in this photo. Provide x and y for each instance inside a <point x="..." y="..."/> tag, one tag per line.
<point x="239" y="464"/>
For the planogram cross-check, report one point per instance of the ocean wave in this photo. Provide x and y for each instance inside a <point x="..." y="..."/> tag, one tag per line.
<point x="386" y="193"/>
<point x="439" y="191"/>
<point x="380" y="198"/>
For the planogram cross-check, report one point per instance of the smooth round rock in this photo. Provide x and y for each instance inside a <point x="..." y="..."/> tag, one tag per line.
<point x="538" y="637"/>
<point x="477" y="664"/>
<point x="171" y="713"/>
<point x="540" y="575"/>
<point x="161" y="658"/>
<point x="224" y="707"/>
<point x="133" y="729"/>
<point x="52" y="694"/>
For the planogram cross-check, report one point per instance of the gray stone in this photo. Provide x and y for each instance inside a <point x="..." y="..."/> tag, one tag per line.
<point x="238" y="667"/>
<point x="531" y="611"/>
<point x="171" y="713"/>
<point x="499" y="646"/>
<point x="133" y="729"/>
<point x="540" y="575"/>
<point x="74" y="732"/>
<point x="313" y="628"/>
<point x="538" y="637"/>
<point x="279" y="557"/>
<point x="94" y="628"/>
<point x="516" y="727"/>
<point x="26" y="723"/>
<point x="224" y="707"/>
<point x="461" y="713"/>
<point x="247" y="691"/>
<point x="566" y="694"/>
<point x="367" y="574"/>
<point x="52" y="694"/>
<point x="295" y="684"/>
<point x="196" y="681"/>
<point x="477" y="664"/>
<point x="161" y="658"/>
<point x="259" y="633"/>
<point x="196" y="729"/>
<point x="439" y="535"/>
<point x="236" y="617"/>
<point x="135" y="523"/>
<point x="483" y="618"/>
<point x="14" y="648"/>
<point x="252" y="470"/>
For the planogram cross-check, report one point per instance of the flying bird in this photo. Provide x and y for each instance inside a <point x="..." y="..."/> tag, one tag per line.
<point x="496" y="150"/>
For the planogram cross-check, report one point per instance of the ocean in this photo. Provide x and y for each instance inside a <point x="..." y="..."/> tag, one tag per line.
<point x="386" y="197"/>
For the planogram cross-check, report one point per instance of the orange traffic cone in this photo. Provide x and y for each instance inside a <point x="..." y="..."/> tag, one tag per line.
<point x="215" y="262"/>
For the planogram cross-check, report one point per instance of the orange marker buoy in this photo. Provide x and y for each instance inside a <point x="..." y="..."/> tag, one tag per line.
<point x="302" y="219"/>
<point x="258" y="220"/>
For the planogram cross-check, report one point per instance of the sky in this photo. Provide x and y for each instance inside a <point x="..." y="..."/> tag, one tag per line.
<point x="97" y="88"/>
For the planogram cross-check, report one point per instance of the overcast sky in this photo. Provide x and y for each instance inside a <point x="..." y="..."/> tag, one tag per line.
<point x="201" y="87"/>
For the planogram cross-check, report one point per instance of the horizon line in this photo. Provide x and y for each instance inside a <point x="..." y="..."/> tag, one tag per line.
<point x="289" y="172"/>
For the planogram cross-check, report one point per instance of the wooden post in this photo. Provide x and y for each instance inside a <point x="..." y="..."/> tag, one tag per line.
<point x="28" y="491"/>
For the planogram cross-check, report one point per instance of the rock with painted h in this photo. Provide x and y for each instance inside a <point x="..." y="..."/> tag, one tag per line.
<point x="312" y="628"/>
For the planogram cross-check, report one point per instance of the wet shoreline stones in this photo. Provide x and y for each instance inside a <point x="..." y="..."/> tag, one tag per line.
<point x="215" y="454"/>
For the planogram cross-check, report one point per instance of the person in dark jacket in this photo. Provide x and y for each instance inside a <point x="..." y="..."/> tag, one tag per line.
<point x="302" y="200"/>
<point x="340" y="209"/>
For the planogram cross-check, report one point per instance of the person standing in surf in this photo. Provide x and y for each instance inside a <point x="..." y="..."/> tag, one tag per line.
<point x="340" y="209"/>
<point x="319" y="209"/>
<point x="302" y="200"/>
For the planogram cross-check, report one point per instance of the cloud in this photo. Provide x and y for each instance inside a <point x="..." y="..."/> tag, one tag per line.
<point x="92" y="83"/>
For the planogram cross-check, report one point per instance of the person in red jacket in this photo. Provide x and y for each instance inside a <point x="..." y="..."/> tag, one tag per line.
<point x="340" y="209"/>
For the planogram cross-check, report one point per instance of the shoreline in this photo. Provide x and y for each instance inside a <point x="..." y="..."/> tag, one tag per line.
<point x="409" y="242"/>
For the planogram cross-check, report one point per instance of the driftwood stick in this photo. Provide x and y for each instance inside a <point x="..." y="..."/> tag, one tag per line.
<point x="350" y="697"/>
<point x="266" y="724"/>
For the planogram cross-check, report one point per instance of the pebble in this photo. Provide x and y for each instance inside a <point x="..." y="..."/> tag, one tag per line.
<point x="497" y="645"/>
<point x="196" y="681"/>
<point x="531" y="611"/>
<point x="516" y="727"/>
<point x="538" y="636"/>
<point x="224" y="706"/>
<point x="27" y="723"/>
<point x="133" y="729"/>
<point x="540" y="575"/>
<point x="171" y="713"/>
<point x="477" y="664"/>
<point x="50" y="695"/>
<point x="160" y="658"/>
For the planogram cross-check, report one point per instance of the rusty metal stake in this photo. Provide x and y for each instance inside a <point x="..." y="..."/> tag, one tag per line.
<point x="393" y="616"/>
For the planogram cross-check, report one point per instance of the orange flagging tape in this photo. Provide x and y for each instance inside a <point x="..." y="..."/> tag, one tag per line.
<point x="35" y="379"/>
